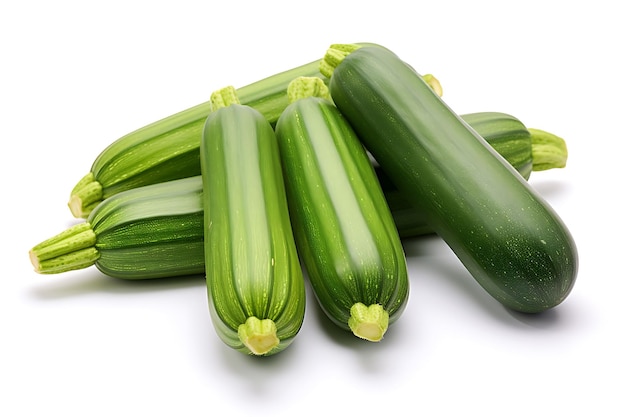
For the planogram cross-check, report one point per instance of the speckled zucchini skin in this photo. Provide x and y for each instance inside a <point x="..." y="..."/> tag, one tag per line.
<point x="507" y="236"/>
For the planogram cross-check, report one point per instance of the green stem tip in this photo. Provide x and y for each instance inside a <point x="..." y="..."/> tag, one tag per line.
<point x="337" y="52"/>
<point x="85" y="196"/>
<point x="334" y="55"/>
<point x="369" y="323"/>
<point x="70" y="250"/>
<point x="259" y="336"/>
<point x="303" y="87"/>
<point x="549" y="151"/>
<point x="224" y="97"/>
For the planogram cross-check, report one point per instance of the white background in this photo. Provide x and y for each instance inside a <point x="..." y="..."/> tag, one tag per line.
<point x="76" y="75"/>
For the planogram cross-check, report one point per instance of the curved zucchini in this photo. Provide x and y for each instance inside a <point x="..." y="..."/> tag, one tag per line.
<point x="153" y="231"/>
<point x="344" y="230"/>
<point x="510" y="239"/>
<point x="254" y="279"/>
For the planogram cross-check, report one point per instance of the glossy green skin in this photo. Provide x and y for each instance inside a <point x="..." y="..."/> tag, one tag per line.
<point x="169" y="147"/>
<point x="154" y="231"/>
<point x="252" y="266"/>
<point x="344" y="230"/>
<point x="510" y="240"/>
<point x="506" y="134"/>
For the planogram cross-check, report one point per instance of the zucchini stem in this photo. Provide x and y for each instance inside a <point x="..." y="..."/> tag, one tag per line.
<point x="258" y="335"/>
<point x="549" y="150"/>
<point x="69" y="250"/>
<point x="85" y="196"/>
<point x="303" y="87"/>
<point x="224" y="97"/>
<point x="336" y="53"/>
<point x="369" y="323"/>
<point x="333" y="57"/>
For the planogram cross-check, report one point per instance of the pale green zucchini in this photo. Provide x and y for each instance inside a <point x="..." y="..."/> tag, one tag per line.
<point x="344" y="229"/>
<point x="153" y="231"/>
<point x="168" y="149"/>
<point x="254" y="280"/>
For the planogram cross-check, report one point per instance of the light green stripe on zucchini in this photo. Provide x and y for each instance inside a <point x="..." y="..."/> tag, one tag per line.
<point x="343" y="227"/>
<point x="255" y="284"/>
<point x="336" y="170"/>
<point x="168" y="148"/>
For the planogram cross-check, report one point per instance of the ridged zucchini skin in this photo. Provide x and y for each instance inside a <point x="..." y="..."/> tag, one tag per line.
<point x="507" y="236"/>
<point x="154" y="231"/>
<point x="145" y="237"/>
<point x="168" y="148"/>
<point x="178" y="240"/>
<point x="252" y="265"/>
<point x="344" y="230"/>
<point x="508" y="136"/>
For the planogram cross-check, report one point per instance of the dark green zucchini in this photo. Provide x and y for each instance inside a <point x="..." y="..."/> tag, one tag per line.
<point x="527" y="150"/>
<point x="507" y="236"/>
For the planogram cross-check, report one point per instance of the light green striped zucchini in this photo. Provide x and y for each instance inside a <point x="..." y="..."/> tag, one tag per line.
<point x="153" y="231"/>
<point x="168" y="148"/>
<point x="344" y="229"/>
<point x="254" y="280"/>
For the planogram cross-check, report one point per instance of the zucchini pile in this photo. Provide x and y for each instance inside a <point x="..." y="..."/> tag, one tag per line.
<point x="316" y="176"/>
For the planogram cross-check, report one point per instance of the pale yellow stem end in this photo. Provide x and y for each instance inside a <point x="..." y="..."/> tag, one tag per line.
<point x="369" y="323"/>
<point x="303" y="87"/>
<point x="433" y="83"/>
<point x="259" y="336"/>
<point x="85" y="196"/>
<point x="224" y="97"/>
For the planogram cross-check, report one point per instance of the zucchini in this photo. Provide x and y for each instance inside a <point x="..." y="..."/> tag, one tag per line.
<point x="344" y="230"/>
<point x="506" y="235"/>
<point x="156" y="231"/>
<point x="153" y="231"/>
<point x="254" y="280"/>
<point x="168" y="149"/>
<point x="526" y="149"/>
